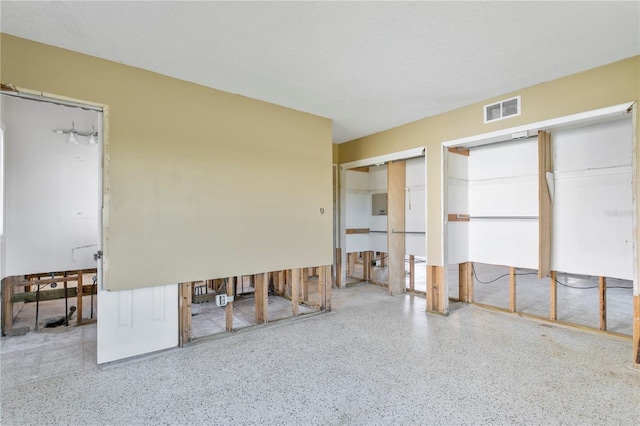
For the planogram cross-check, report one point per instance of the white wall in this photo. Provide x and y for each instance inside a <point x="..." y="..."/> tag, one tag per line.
<point x="51" y="189"/>
<point x="377" y="185"/>
<point x="592" y="210"/>
<point x="503" y="182"/>
<point x="458" y="203"/>
<point x="415" y="207"/>
<point x="135" y="322"/>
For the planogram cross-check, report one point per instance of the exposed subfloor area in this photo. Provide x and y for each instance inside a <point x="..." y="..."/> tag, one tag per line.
<point x="210" y="318"/>
<point x="375" y="360"/>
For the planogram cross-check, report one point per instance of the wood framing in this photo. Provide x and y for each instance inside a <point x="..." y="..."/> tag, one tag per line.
<point x="339" y="282"/>
<point x="435" y="281"/>
<point x="295" y="286"/>
<point x="79" y="295"/>
<point x="357" y="231"/>
<point x="324" y="287"/>
<point x="545" y="207"/>
<point x="228" y="310"/>
<point x="185" y="290"/>
<point x="366" y="265"/>
<point x="554" y="297"/>
<point x="459" y="150"/>
<point x="261" y="297"/>
<point x="351" y="263"/>
<point x="412" y="272"/>
<point x="465" y="282"/>
<point x="304" y="283"/>
<point x="279" y="282"/>
<point x="396" y="182"/>
<point x="458" y="217"/>
<point x="602" y="287"/>
<point x="7" y="305"/>
<point x="512" y="289"/>
<point x="636" y="329"/>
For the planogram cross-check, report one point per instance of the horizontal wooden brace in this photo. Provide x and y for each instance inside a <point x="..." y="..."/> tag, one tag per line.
<point x="358" y="231"/>
<point x="57" y="293"/>
<point x="458" y="217"/>
<point x="461" y="151"/>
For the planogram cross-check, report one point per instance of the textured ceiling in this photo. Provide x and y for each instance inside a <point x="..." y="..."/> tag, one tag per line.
<point x="368" y="66"/>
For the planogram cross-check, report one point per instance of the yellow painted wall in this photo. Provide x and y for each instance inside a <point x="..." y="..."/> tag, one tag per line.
<point x="596" y="88"/>
<point x="202" y="183"/>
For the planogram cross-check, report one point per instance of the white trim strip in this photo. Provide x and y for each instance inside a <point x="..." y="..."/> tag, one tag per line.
<point x="381" y="159"/>
<point x="505" y="134"/>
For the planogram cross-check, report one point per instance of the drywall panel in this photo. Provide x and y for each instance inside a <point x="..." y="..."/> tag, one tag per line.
<point x="358" y="210"/>
<point x="458" y="203"/>
<point x="503" y="182"/>
<point x="415" y="207"/>
<point x="592" y="209"/>
<point x="504" y="242"/>
<point x="52" y="199"/>
<point x="135" y="322"/>
<point x="200" y="183"/>
<point x="377" y="182"/>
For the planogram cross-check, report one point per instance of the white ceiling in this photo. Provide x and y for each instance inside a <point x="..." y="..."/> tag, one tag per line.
<point x="369" y="66"/>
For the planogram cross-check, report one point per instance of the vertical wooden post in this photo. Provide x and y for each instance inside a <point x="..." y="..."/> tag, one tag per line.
<point x="465" y="283"/>
<point x="351" y="261"/>
<point x="545" y="208"/>
<point x="7" y="305"/>
<point x="278" y="277"/>
<point x="228" y="310"/>
<point x="261" y="294"/>
<point x="185" y="313"/>
<point x="327" y="288"/>
<point x="288" y="286"/>
<point x="366" y="266"/>
<point x="512" y="289"/>
<point x="79" y="307"/>
<point x="383" y="260"/>
<point x="339" y="283"/>
<point x="305" y="283"/>
<point x="321" y="287"/>
<point x="636" y="328"/>
<point x="295" y="286"/>
<point x="602" y="284"/>
<point x="412" y="272"/>
<point x="462" y="282"/>
<point x="396" y="182"/>
<point x="554" y="297"/>
<point x="435" y="281"/>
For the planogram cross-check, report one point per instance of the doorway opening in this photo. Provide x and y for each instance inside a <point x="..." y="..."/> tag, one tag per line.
<point x="51" y="216"/>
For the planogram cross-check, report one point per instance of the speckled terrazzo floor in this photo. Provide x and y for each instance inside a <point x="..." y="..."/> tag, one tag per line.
<point x="375" y="360"/>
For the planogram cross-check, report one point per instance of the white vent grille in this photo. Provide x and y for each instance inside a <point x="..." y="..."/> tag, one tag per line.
<point x="501" y="110"/>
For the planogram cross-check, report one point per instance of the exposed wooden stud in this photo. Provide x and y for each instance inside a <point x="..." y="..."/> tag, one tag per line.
<point x="228" y="310"/>
<point x="260" y="299"/>
<point x="459" y="150"/>
<point x="465" y="282"/>
<point x="396" y="183"/>
<point x="295" y="286"/>
<point x="545" y="207"/>
<point x="289" y="280"/>
<point x="554" y="297"/>
<point x="339" y="282"/>
<point x="7" y="305"/>
<point x="412" y="272"/>
<point x="327" y="288"/>
<point x="367" y="269"/>
<point x="636" y="329"/>
<point x="435" y="280"/>
<point x="322" y="274"/>
<point x="351" y="263"/>
<point x="602" y="285"/>
<point x="278" y="285"/>
<point x="304" y="283"/>
<point x="383" y="260"/>
<point x="185" y="294"/>
<point x="512" y="289"/>
<point x="80" y="294"/>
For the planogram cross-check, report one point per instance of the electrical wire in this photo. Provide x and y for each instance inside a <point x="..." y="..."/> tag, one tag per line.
<point x="473" y="268"/>
<point x="535" y="273"/>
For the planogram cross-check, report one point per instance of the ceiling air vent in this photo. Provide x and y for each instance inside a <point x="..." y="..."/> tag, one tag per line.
<point x="503" y="109"/>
